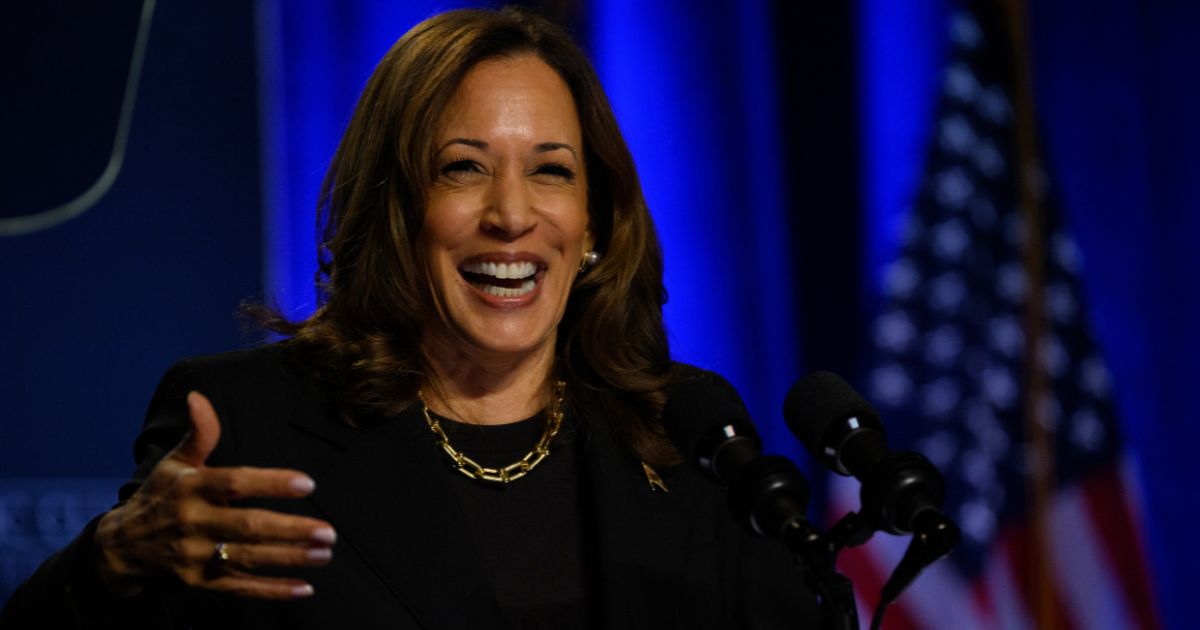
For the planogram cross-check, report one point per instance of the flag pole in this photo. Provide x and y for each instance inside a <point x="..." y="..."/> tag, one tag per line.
<point x="1030" y="180"/>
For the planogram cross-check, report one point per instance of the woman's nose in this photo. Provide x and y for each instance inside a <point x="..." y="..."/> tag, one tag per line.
<point x="509" y="212"/>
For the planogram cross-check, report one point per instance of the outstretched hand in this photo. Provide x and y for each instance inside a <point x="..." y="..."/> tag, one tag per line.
<point x="174" y="522"/>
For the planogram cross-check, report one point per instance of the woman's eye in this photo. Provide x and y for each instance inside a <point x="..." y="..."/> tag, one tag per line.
<point x="461" y="167"/>
<point x="558" y="171"/>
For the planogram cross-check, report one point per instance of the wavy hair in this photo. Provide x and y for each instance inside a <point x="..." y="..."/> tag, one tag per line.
<point x="363" y="340"/>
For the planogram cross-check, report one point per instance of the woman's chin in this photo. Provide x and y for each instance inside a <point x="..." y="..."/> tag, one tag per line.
<point x="515" y="347"/>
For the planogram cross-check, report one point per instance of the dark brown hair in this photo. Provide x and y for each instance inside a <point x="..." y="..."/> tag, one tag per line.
<point x="363" y="340"/>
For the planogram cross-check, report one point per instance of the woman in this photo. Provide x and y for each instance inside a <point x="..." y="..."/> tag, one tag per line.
<point x="476" y="401"/>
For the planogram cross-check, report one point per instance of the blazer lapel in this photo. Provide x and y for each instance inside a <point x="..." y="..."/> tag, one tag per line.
<point x="388" y="495"/>
<point x="642" y="532"/>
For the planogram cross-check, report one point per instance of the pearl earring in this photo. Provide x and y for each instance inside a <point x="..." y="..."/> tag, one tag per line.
<point x="589" y="260"/>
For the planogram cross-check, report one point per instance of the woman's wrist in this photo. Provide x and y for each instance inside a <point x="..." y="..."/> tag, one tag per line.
<point x="114" y="574"/>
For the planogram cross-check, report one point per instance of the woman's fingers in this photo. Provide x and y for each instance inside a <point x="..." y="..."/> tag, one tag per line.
<point x="243" y="482"/>
<point x="264" y="526"/>
<point x="199" y="567"/>
<point x="250" y="556"/>
<point x="247" y="585"/>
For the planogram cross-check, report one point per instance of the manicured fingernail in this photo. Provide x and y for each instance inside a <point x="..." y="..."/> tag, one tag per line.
<point x="302" y="484"/>
<point x="320" y="553"/>
<point x="325" y="535"/>
<point x="302" y="591"/>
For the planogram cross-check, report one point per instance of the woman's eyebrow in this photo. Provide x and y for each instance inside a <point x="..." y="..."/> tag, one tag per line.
<point x="554" y="146"/>
<point x="471" y="142"/>
<point x="542" y="147"/>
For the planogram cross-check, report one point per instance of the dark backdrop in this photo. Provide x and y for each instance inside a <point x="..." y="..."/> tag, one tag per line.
<point x="95" y="309"/>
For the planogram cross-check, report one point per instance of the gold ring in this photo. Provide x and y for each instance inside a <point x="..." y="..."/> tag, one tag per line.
<point x="216" y="563"/>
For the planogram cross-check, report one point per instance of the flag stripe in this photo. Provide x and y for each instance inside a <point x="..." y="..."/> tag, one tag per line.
<point x="1092" y="592"/>
<point x="1010" y="612"/>
<point x="1109" y="506"/>
<point x="943" y="600"/>
<point x="1020" y="538"/>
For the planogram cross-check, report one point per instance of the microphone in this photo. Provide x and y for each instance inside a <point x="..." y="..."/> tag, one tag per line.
<point x="902" y="491"/>
<point x="843" y="431"/>
<point x="706" y="418"/>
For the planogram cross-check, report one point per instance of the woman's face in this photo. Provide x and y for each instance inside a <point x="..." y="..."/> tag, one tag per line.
<point x="506" y="220"/>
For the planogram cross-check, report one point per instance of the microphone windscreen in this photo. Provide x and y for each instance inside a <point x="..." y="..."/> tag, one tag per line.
<point x="698" y="403"/>
<point x="817" y="401"/>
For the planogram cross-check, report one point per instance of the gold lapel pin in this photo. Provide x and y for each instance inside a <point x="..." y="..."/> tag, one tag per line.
<point x="656" y="482"/>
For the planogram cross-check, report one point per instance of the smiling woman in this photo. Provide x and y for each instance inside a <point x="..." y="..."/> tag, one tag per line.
<point x="505" y="234"/>
<point x="468" y="431"/>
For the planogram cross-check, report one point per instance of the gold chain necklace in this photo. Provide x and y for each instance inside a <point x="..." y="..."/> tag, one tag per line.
<point x="513" y="471"/>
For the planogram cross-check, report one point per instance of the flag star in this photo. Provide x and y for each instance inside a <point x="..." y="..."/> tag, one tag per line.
<point x="965" y="32"/>
<point x="960" y="84"/>
<point x="992" y="104"/>
<point x="1011" y="281"/>
<point x="982" y="422"/>
<point x="947" y="292"/>
<point x="999" y="387"/>
<point x="1054" y="355"/>
<point x="1066" y="253"/>
<point x="890" y="385"/>
<point x="900" y="278"/>
<point x="894" y="331"/>
<point x="939" y="398"/>
<point x="953" y="188"/>
<point x="956" y="135"/>
<point x="978" y="469"/>
<point x="986" y="157"/>
<point x="950" y="240"/>
<point x="978" y="520"/>
<point x="1094" y="376"/>
<point x="943" y="346"/>
<point x="1006" y="336"/>
<point x="1060" y="303"/>
<point x="1087" y="431"/>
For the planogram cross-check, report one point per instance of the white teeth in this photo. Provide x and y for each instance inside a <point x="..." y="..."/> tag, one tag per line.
<point x="502" y="270"/>
<point x="504" y="292"/>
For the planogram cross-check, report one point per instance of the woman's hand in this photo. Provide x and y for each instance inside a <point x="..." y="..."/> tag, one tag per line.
<point x="172" y="524"/>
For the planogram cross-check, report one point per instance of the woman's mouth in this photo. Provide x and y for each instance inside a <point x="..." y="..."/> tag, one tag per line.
<point x="503" y="280"/>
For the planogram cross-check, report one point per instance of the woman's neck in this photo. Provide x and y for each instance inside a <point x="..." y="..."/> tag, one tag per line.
<point x="477" y="388"/>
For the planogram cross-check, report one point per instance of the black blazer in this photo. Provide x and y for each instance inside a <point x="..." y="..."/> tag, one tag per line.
<point x="404" y="556"/>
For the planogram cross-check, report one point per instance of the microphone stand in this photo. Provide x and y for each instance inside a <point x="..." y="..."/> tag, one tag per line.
<point x="904" y="485"/>
<point x="817" y="554"/>
<point x="769" y="495"/>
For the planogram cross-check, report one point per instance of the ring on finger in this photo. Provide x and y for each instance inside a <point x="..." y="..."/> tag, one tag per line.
<point x="218" y="560"/>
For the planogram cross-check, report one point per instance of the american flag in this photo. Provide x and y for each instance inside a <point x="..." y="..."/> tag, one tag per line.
<point x="986" y="279"/>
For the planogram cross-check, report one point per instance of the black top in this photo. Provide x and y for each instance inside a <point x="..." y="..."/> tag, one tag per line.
<point x="530" y="533"/>
<point x="407" y="555"/>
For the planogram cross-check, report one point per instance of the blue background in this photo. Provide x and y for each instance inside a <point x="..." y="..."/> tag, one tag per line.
<point x="778" y="147"/>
